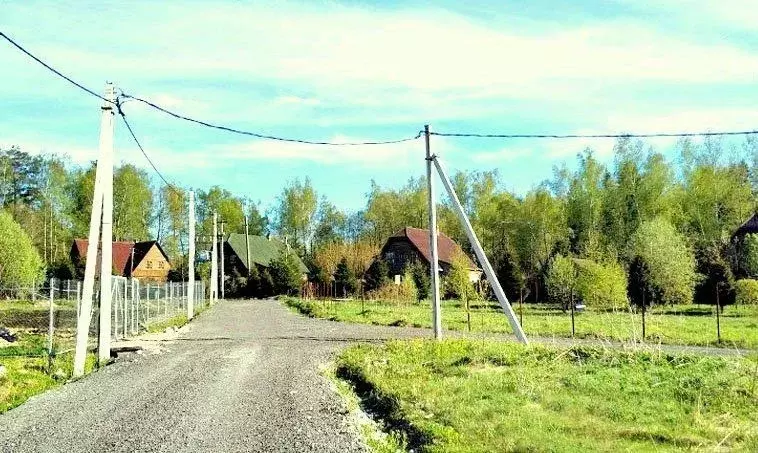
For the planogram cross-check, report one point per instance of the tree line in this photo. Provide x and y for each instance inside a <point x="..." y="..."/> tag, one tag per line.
<point x="663" y="222"/>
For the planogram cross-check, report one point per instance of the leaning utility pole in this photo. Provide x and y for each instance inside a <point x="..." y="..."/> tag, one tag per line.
<point x="191" y="258"/>
<point x="83" y="320"/>
<point x="106" y="256"/>
<point x="434" y="267"/>
<point x="486" y="266"/>
<point x="214" y="260"/>
<point x="247" y="246"/>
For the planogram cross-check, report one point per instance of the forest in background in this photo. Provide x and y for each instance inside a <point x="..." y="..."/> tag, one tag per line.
<point x="664" y="221"/>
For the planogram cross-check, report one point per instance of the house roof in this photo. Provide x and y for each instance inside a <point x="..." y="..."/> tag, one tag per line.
<point x="749" y="227"/>
<point x="122" y="253"/>
<point x="262" y="250"/>
<point x="447" y="248"/>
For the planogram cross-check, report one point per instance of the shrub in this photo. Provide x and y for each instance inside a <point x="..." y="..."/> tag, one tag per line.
<point x="286" y="274"/>
<point x="404" y="292"/>
<point x="748" y="256"/>
<point x="669" y="262"/>
<point x="561" y="280"/>
<point x="601" y="285"/>
<point x="747" y="291"/>
<point x="20" y="263"/>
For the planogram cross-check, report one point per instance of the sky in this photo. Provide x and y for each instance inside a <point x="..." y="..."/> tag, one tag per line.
<point x="364" y="71"/>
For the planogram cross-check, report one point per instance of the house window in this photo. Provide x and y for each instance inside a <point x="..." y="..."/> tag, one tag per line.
<point x="160" y="264"/>
<point x="149" y="264"/>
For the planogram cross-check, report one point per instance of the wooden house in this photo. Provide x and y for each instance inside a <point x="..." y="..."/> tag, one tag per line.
<point x="142" y="260"/>
<point x="411" y="245"/>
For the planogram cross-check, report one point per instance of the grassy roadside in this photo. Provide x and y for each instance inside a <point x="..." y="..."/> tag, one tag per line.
<point x="684" y="325"/>
<point x="29" y="376"/>
<point x="477" y="396"/>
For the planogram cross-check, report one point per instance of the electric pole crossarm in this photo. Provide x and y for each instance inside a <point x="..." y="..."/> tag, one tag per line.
<point x="491" y="277"/>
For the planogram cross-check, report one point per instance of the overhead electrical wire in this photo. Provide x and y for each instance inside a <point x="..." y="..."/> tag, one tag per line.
<point x="362" y="143"/>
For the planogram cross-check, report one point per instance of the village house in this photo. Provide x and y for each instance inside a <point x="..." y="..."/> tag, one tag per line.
<point x="142" y="260"/>
<point x="411" y="245"/>
<point x="263" y="250"/>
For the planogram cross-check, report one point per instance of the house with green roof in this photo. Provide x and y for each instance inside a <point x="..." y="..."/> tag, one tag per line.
<point x="263" y="250"/>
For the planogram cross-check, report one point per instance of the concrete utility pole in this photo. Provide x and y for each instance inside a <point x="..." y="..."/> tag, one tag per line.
<point x="191" y="258"/>
<point x="247" y="246"/>
<point x="106" y="260"/>
<point x="487" y="267"/>
<point x="434" y="268"/>
<point x="83" y="321"/>
<point x="214" y="260"/>
<point x="223" y="280"/>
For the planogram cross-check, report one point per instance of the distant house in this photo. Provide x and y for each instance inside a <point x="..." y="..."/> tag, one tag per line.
<point x="142" y="260"/>
<point x="411" y="245"/>
<point x="749" y="227"/>
<point x="263" y="250"/>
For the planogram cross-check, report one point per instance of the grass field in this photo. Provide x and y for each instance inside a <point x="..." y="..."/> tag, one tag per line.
<point x="687" y="325"/>
<point x="477" y="396"/>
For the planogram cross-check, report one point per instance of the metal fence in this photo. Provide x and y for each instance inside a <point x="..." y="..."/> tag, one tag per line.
<point x="42" y="320"/>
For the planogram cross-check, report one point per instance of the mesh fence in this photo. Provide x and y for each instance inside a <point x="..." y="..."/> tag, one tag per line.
<point x="41" y="321"/>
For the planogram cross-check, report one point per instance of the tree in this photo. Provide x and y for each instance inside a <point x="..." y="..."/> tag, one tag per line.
<point x="286" y="274"/>
<point x="585" y="205"/>
<point x="421" y="279"/>
<point x="331" y="225"/>
<point x="561" y="280"/>
<point x="601" y="285"/>
<point x="717" y="281"/>
<point x="377" y="274"/>
<point x="668" y="260"/>
<point x="459" y="283"/>
<point x="640" y="288"/>
<point x="747" y="256"/>
<point x="345" y="278"/>
<point x="20" y="263"/>
<point x="296" y="213"/>
<point x="132" y="203"/>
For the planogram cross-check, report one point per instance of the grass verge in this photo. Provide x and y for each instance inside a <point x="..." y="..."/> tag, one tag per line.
<point x="482" y="396"/>
<point x="684" y="325"/>
<point x="29" y="376"/>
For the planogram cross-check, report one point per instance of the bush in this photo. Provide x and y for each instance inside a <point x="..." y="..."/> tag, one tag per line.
<point x="405" y="291"/>
<point x="20" y="263"/>
<point x="285" y="274"/>
<point x="668" y="261"/>
<point x="747" y="291"/>
<point x="748" y="256"/>
<point x="601" y="286"/>
<point x="561" y="280"/>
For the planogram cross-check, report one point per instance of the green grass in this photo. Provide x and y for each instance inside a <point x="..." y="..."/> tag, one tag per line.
<point x="484" y="396"/>
<point x="160" y="326"/>
<point x="685" y="325"/>
<point x="29" y="376"/>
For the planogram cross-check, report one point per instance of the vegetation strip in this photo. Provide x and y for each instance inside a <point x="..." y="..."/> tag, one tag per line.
<point x="480" y="396"/>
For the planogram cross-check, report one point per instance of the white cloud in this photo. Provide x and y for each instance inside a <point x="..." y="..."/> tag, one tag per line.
<point x="504" y="155"/>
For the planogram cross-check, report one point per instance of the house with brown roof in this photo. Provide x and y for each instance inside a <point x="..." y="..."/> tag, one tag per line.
<point x="411" y="245"/>
<point x="144" y="260"/>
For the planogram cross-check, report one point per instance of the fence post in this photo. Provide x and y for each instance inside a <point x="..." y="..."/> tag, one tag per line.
<point x="34" y="291"/>
<point x="126" y="307"/>
<point x="78" y="298"/>
<point x="147" y="304"/>
<point x="50" y="326"/>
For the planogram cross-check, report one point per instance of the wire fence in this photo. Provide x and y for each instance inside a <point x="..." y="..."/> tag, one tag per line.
<point x="40" y="321"/>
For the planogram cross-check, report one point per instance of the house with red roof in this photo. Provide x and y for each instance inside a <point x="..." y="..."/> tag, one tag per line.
<point x="411" y="245"/>
<point x="144" y="260"/>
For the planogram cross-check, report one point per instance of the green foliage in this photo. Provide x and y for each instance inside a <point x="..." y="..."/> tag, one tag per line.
<point x="458" y="282"/>
<point x="561" y="280"/>
<point x="601" y="285"/>
<point x="285" y="274"/>
<point x="746" y="292"/>
<point x="20" y="263"/>
<point x="296" y="213"/>
<point x="377" y="275"/>
<point x="132" y="203"/>
<point x="748" y="256"/>
<point x="345" y="279"/>
<point x="421" y="279"/>
<point x="717" y="281"/>
<point x="640" y="288"/>
<point x="669" y="262"/>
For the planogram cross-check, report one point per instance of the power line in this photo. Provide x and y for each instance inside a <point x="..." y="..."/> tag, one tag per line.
<point x="139" y="145"/>
<point x="53" y="70"/>
<point x="569" y="136"/>
<point x="265" y="136"/>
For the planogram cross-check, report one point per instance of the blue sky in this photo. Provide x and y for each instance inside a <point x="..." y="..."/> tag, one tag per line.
<point x="328" y="70"/>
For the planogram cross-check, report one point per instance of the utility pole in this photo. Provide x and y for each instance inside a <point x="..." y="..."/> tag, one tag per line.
<point x="214" y="260"/>
<point x="83" y="321"/>
<point x="434" y="268"/>
<point x="191" y="258"/>
<point x="106" y="260"/>
<point x="247" y="246"/>
<point x="223" y="280"/>
<point x="486" y="266"/>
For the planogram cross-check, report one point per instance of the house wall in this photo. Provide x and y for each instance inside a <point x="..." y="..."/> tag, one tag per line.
<point x="400" y="253"/>
<point x="153" y="267"/>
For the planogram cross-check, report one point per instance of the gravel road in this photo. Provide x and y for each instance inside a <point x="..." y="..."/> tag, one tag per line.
<point x="243" y="377"/>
